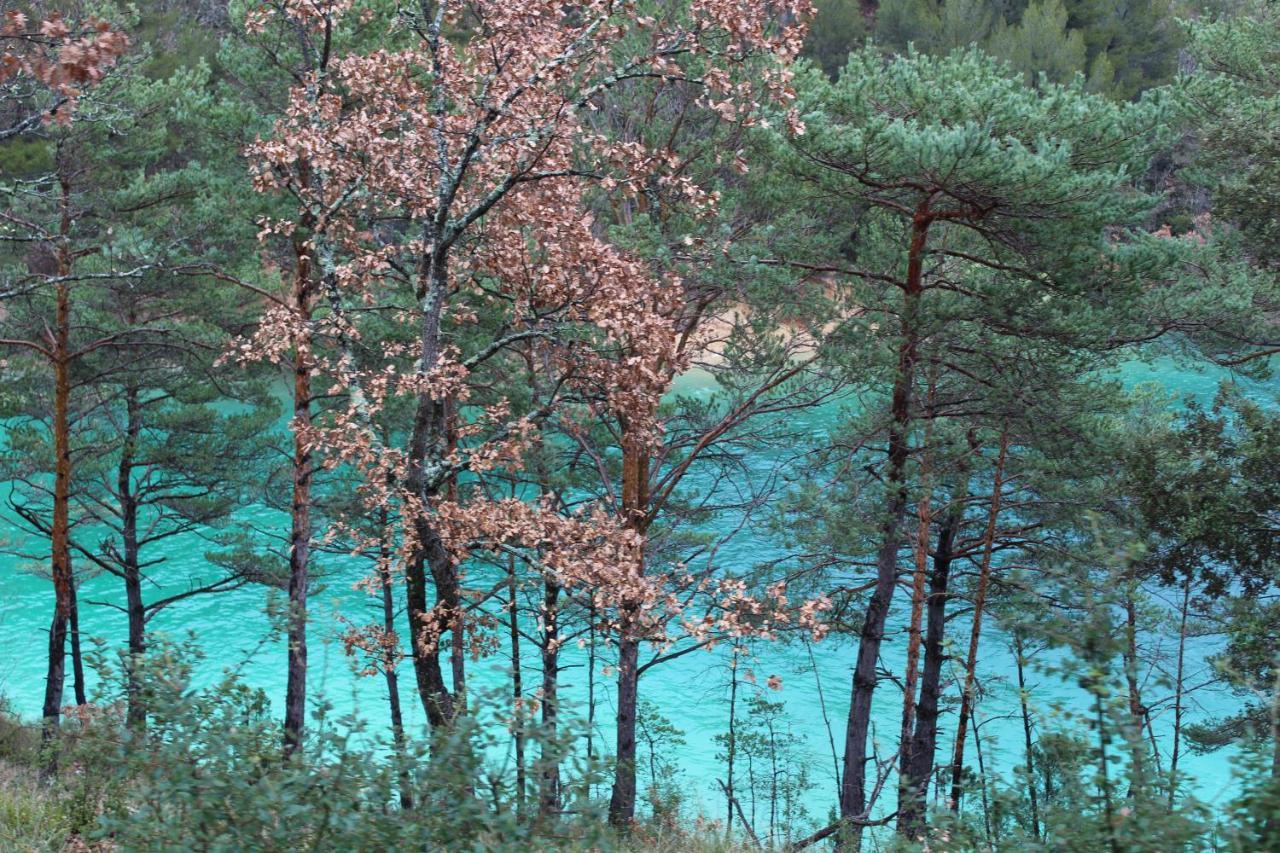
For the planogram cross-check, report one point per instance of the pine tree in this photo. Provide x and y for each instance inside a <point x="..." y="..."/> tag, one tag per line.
<point x="989" y="219"/>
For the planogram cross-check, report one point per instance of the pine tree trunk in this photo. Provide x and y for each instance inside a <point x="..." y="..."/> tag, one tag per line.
<point x="853" y="791"/>
<point x="918" y="770"/>
<point x="732" y="745"/>
<point x="982" y="780"/>
<point x="1027" y="743"/>
<point x="517" y="688"/>
<point x="1176" y="750"/>
<point x="300" y="533"/>
<point x="635" y="484"/>
<point x="622" y="802"/>
<point x="912" y="666"/>
<point x="60" y="532"/>
<point x="136" y="714"/>
<point x="591" y="681"/>
<point x="77" y="657"/>
<point x="975" y="633"/>
<point x="1137" y="713"/>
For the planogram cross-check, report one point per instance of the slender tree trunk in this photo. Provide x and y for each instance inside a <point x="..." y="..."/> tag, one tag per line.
<point x="1137" y="713"/>
<point x="853" y="791"/>
<point x="1027" y="745"/>
<point x="975" y="633"/>
<point x="912" y="666"/>
<point x="517" y="687"/>
<point x="390" y="668"/>
<point x="1104" y="769"/>
<point x="136" y="714"/>
<point x="450" y="582"/>
<point x="1270" y="830"/>
<point x="428" y="443"/>
<point x="1176" y="750"/>
<point x="60" y="529"/>
<point x="77" y="657"/>
<point x="635" y="484"/>
<point x="918" y="770"/>
<point x="982" y="781"/>
<point x="549" y="773"/>
<point x="732" y="747"/>
<point x="300" y="533"/>
<point x="773" y="779"/>
<point x="591" y="681"/>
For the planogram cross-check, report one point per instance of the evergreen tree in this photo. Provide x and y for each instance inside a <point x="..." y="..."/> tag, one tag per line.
<point x="975" y="203"/>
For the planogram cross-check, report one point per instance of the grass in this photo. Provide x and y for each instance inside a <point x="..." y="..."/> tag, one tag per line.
<point x="31" y="818"/>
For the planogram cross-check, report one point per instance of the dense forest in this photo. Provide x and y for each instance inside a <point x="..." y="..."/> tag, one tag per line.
<point x="640" y="424"/>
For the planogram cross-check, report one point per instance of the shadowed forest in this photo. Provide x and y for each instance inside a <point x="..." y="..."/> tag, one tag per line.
<point x="683" y="425"/>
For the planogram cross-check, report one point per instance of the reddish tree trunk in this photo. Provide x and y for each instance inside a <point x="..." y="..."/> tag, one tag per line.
<point x="911" y="672"/>
<point x="918" y="769"/>
<point x="60" y="531"/>
<point x="975" y="632"/>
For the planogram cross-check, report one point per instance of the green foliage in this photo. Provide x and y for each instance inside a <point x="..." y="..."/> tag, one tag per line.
<point x="1238" y="98"/>
<point x="838" y="28"/>
<point x="1123" y="48"/>
<point x="207" y="774"/>
<point x="656" y="737"/>
<point x="1205" y="487"/>
<point x="773" y="766"/>
<point x="1041" y="43"/>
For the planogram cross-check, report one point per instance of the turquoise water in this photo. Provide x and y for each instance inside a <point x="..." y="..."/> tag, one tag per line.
<point x="692" y="691"/>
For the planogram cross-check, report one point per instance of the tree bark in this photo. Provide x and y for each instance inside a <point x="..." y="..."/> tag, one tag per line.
<point x="853" y="792"/>
<point x="731" y="747"/>
<point x="517" y="687"/>
<point x="622" y="802"/>
<point x="1137" y="713"/>
<point x="1027" y="745"/>
<point x="437" y="701"/>
<point x="428" y="444"/>
<point x="77" y="657"/>
<point x="549" y="771"/>
<point x="391" y="673"/>
<point x="918" y="770"/>
<point x="635" y="486"/>
<point x="300" y="534"/>
<point x="975" y="632"/>
<point x="911" y="672"/>
<point x="1176" y="750"/>
<point x="136" y="714"/>
<point x="60" y="529"/>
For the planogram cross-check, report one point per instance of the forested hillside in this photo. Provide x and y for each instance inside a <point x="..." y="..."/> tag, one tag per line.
<point x="662" y="424"/>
